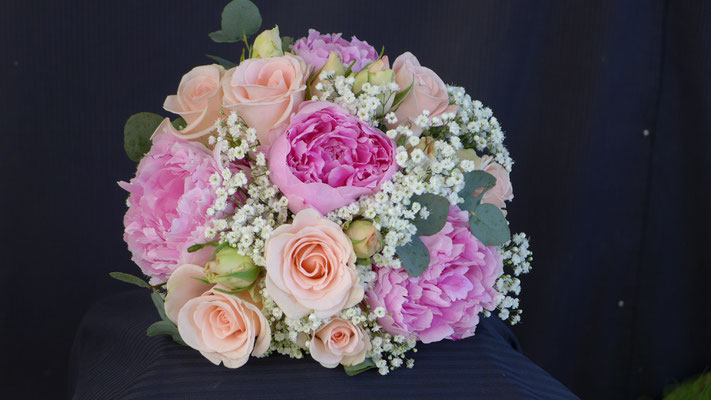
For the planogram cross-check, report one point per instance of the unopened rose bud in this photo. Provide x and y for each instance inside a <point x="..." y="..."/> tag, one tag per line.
<point x="267" y="44"/>
<point x="232" y="269"/>
<point x="365" y="238"/>
<point x="377" y="73"/>
<point x="426" y="145"/>
<point x="334" y="65"/>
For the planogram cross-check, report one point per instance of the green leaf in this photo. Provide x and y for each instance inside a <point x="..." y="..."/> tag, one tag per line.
<point x="137" y="134"/>
<point x="489" y="225"/>
<point x="248" y="275"/>
<point x="227" y="64"/>
<point x="438" y="207"/>
<point x="476" y="183"/>
<point x="128" y="278"/>
<point x="400" y="96"/>
<point x="200" y="246"/>
<point x="240" y="18"/>
<point x="364" y="261"/>
<point x="233" y="291"/>
<point x="382" y="51"/>
<point x="286" y="43"/>
<point x="357" y="369"/>
<point x="165" y="328"/>
<point x="159" y="302"/>
<point x="350" y="68"/>
<point x="218" y="248"/>
<point x="179" y="123"/>
<point x="414" y="256"/>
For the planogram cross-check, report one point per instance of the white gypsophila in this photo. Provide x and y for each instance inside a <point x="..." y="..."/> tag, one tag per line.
<point x="369" y="104"/>
<point x="516" y="258"/>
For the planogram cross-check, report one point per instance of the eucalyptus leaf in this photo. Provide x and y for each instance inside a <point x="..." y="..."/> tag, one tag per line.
<point x="159" y="302"/>
<point x="128" y="278"/>
<point x="227" y="64"/>
<point x="400" y="96"/>
<point x="489" y="225"/>
<point x="179" y="123"/>
<point x="414" y="256"/>
<point x="438" y="208"/>
<point x="240" y="18"/>
<point x="165" y="328"/>
<point x="476" y="183"/>
<point x="357" y="369"/>
<point x="137" y="134"/>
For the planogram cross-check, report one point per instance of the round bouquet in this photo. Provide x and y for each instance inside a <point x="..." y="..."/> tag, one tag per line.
<point x="318" y="200"/>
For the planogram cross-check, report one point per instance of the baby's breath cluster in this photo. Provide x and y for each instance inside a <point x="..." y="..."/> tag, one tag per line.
<point x="517" y="258"/>
<point x="369" y="104"/>
<point x="244" y="186"/>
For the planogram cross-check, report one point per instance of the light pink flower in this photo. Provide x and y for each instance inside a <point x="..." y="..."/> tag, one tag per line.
<point x="445" y="301"/>
<point x="311" y="267"/>
<point x="167" y="205"/>
<point x="198" y="100"/>
<point x="428" y="91"/>
<point x="327" y="158"/>
<point x="315" y="49"/>
<point x="265" y="91"/>
<point x="503" y="191"/>
<point x="224" y="328"/>
<point x="339" y="342"/>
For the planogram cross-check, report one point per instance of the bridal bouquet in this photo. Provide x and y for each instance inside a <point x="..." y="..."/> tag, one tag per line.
<point x="317" y="200"/>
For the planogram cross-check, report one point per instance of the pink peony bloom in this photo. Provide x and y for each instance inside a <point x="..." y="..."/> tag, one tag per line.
<point x="445" y="301"/>
<point x="315" y="49"/>
<point x="327" y="158"/>
<point x="167" y="206"/>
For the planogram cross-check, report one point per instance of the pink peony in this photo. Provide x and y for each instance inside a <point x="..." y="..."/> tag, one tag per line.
<point x="445" y="301"/>
<point x="167" y="206"/>
<point x="315" y="49"/>
<point x="327" y="158"/>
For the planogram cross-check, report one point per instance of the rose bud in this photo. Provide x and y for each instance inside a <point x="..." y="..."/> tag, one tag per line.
<point x="267" y="44"/>
<point x="377" y="73"/>
<point x="365" y="238"/>
<point x="232" y="269"/>
<point x="333" y="64"/>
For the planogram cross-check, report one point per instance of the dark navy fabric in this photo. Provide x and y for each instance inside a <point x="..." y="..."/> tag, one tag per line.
<point x="114" y="359"/>
<point x="606" y="105"/>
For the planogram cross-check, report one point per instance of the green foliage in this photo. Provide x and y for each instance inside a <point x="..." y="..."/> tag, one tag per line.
<point x="227" y="64"/>
<point x="286" y="43"/>
<point x="357" y="369"/>
<point x="137" y="134"/>
<point x="240" y="19"/>
<point x="489" y="225"/>
<point x="476" y="183"/>
<point x="438" y="208"/>
<point x="247" y="275"/>
<point x="165" y="328"/>
<point x="179" y="123"/>
<point x="200" y="246"/>
<point x="414" y="256"/>
<point x="400" y="96"/>
<point x="695" y="388"/>
<point x="128" y="278"/>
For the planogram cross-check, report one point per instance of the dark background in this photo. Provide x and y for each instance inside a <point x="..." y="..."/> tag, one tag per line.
<point x="617" y="305"/>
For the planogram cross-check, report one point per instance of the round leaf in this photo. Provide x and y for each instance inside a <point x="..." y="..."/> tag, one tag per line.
<point x="476" y="183"/>
<point x="137" y="134"/>
<point x="489" y="225"/>
<point x="438" y="207"/>
<point x="414" y="256"/>
<point x="240" y="18"/>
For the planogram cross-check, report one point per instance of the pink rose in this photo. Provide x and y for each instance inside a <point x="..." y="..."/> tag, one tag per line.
<point x="224" y="328"/>
<point x="503" y="191"/>
<point x="198" y="100"/>
<point x="339" y="342"/>
<point x="445" y="301"/>
<point x="311" y="267"/>
<point x="316" y="48"/>
<point x="265" y="91"/>
<point x="328" y="158"/>
<point x="168" y="201"/>
<point x="428" y="91"/>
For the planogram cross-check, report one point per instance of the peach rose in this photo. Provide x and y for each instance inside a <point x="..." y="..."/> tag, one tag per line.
<point x="224" y="328"/>
<point x="502" y="191"/>
<point x="339" y="342"/>
<point x="311" y="267"/>
<point x="265" y="91"/>
<point x="198" y="100"/>
<point x="428" y="91"/>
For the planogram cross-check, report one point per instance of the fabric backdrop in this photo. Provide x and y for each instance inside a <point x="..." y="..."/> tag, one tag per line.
<point x="607" y="110"/>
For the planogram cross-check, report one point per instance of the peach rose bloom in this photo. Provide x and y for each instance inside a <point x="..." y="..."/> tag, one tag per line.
<point x="503" y="191"/>
<point x="339" y="342"/>
<point x="311" y="267"/>
<point x="265" y="91"/>
<point x="224" y="328"/>
<point x="428" y="91"/>
<point x="198" y="100"/>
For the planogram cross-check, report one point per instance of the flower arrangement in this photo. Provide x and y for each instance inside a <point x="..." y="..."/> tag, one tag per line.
<point x="315" y="200"/>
